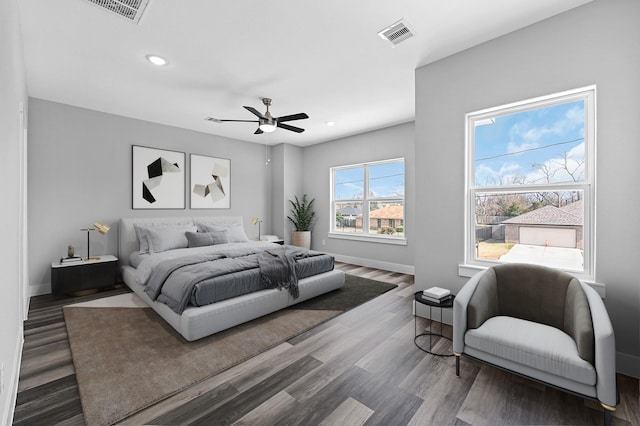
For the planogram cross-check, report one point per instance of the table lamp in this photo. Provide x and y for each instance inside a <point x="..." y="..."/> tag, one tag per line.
<point x="103" y="229"/>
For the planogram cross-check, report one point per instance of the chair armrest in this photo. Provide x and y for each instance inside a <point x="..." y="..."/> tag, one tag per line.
<point x="460" y="304"/>
<point x="605" y="349"/>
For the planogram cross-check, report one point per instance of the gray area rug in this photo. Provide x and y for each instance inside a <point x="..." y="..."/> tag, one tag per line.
<point x="127" y="359"/>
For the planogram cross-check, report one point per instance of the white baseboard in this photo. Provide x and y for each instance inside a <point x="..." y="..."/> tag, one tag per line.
<point x="387" y="266"/>
<point x="11" y="385"/>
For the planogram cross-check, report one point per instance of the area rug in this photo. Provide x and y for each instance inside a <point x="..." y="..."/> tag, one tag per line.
<point x="127" y="359"/>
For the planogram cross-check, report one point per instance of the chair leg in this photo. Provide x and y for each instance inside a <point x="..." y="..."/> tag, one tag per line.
<point x="457" y="365"/>
<point x="608" y="409"/>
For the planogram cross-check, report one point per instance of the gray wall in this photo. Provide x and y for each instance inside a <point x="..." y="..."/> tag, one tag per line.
<point x="594" y="44"/>
<point x="286" y="165"/>
<point x="392" y="142"/>
<point x="13" y="98"/>
<point x="80" y="173"/>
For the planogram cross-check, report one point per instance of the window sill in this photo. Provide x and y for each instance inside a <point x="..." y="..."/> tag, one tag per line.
<point x="466" y="270"/>
<point x="369" y="238"/>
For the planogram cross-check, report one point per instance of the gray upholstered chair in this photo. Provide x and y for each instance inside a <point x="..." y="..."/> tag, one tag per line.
<point x="539" y="323"/>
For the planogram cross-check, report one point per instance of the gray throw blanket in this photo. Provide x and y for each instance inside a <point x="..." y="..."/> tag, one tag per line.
<point x="278" y="270"/>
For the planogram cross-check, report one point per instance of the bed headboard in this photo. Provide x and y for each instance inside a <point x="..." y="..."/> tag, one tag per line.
<point x="128" y="239"/>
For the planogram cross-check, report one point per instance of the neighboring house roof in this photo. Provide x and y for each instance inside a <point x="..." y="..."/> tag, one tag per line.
<point x="547" y="215"/>
<point x="389" y="212"/>
<point x="350" y="211"/>
<point x="576" y="208"/>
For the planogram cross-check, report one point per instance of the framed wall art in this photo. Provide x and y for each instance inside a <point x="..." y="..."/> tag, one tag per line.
<point x="210" y="182"/>
<point x="158" y="178"/>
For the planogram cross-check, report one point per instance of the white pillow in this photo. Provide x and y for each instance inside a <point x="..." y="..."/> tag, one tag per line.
<point x="168" y="238"/>
<point x="236" y="232"/>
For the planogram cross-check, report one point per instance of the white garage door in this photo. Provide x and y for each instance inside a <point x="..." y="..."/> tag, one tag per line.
<point x="548" y="236"/>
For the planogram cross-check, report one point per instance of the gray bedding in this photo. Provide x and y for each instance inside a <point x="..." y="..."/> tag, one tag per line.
<point x="203" y="278"/>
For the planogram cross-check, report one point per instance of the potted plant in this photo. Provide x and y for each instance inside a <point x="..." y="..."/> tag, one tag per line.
<point x="302" y="216"/>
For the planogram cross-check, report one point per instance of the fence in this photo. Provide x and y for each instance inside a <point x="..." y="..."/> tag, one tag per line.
<point x="491" y="220"/>
<point x="493" y="232"/>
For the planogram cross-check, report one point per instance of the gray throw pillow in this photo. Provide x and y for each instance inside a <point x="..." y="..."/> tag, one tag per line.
<point x="236" y="232"/>
<point x="200" y="239"/>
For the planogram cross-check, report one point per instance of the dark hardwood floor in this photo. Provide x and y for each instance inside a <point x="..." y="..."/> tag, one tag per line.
<point x="361" y="367"/>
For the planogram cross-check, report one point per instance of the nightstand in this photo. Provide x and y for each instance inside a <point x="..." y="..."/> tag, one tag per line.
<point x="85" y="275"/>
<point x="276" y="241"/>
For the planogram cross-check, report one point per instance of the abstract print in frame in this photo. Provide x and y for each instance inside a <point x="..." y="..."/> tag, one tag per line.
<point x="158" y="178"/>
<point x="210" y="182"/>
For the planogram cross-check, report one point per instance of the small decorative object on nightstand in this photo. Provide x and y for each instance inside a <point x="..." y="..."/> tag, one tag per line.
<point x="73" y="277"/>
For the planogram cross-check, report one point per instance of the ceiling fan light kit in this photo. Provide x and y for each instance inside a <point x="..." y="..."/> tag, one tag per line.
<point x="267" y="126"/>
<point x="266" y="122"/>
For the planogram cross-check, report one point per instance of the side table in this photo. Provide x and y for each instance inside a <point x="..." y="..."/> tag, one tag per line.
<point x="84" y="275"/>
<point x="445" y="303"/>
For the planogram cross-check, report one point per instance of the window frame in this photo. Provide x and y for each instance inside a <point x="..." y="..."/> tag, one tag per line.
<point x="588" y="185"/>
<point x="365" y="201"/>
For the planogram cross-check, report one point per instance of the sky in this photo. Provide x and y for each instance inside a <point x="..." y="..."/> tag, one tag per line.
<point x="385" y="180"/>
<point x="508" y="149"/>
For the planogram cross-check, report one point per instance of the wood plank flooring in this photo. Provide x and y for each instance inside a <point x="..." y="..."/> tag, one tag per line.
<point x="361" y="367"/>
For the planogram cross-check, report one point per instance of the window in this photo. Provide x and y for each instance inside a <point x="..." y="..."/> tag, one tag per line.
<point x="531" y="183"/>
<point x="367" y="201"/>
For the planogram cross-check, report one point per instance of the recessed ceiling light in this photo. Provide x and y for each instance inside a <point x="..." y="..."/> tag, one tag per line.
<point x="329" y="123"/>
<point x="157" y="60"/>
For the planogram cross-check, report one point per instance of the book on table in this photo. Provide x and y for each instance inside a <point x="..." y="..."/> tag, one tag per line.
<point x="70" y="259"/>
<point x="434" y="300"/>
<point x="435" y="294"/>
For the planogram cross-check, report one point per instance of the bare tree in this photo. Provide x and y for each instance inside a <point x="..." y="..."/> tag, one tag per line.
<point x="576" y="172"/>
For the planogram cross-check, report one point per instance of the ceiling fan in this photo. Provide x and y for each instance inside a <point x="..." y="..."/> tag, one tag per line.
<point x="266" y="122"/>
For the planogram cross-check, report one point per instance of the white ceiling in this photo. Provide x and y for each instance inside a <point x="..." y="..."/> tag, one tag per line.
<point x="320" y="57"/>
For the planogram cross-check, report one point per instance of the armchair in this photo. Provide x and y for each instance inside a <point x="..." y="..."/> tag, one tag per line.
<point x="542" y="324"/>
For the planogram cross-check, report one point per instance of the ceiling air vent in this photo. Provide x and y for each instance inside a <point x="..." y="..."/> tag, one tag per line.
<point x="396" y="33"/>
<point x="128" y="9"/>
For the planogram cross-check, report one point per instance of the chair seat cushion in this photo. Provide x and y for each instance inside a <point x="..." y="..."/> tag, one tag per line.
<point x="535" y="345"/>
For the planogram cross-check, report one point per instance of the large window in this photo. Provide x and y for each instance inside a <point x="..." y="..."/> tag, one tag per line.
<point x="531" y="183"/>
<point x="367" y="201"/>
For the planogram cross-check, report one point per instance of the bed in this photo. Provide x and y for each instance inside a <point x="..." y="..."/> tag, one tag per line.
<point x="140" y="262"/>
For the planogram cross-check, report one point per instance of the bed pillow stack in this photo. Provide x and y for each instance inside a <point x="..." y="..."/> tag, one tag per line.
<point x="235" y="232"/>
<point x="156" y="238"/>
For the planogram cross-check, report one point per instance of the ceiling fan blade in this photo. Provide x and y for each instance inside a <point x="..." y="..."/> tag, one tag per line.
<point x="258" y="131"/>
<point x="217" y="120"/>
<point x="255" y="112"/>
<point x="288" y="127"/>
<point x="299" y="116"/>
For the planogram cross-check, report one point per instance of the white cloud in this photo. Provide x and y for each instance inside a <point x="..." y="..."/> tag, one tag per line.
<point x="486" y="175"/>
<point x="513" y="147"/>
<point x="524" y="136"/>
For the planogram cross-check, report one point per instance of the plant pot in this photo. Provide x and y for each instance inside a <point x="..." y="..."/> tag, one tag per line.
<point x="301" y="239"/>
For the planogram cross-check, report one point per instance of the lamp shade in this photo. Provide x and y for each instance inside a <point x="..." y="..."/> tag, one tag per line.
<point x="103" y="229"/>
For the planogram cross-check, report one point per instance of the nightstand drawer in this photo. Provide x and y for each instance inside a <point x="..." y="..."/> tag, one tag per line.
<point x="72" y="278"/>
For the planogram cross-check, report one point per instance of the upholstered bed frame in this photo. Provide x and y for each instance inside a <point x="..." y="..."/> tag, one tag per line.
<point x="198" y="322"/>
